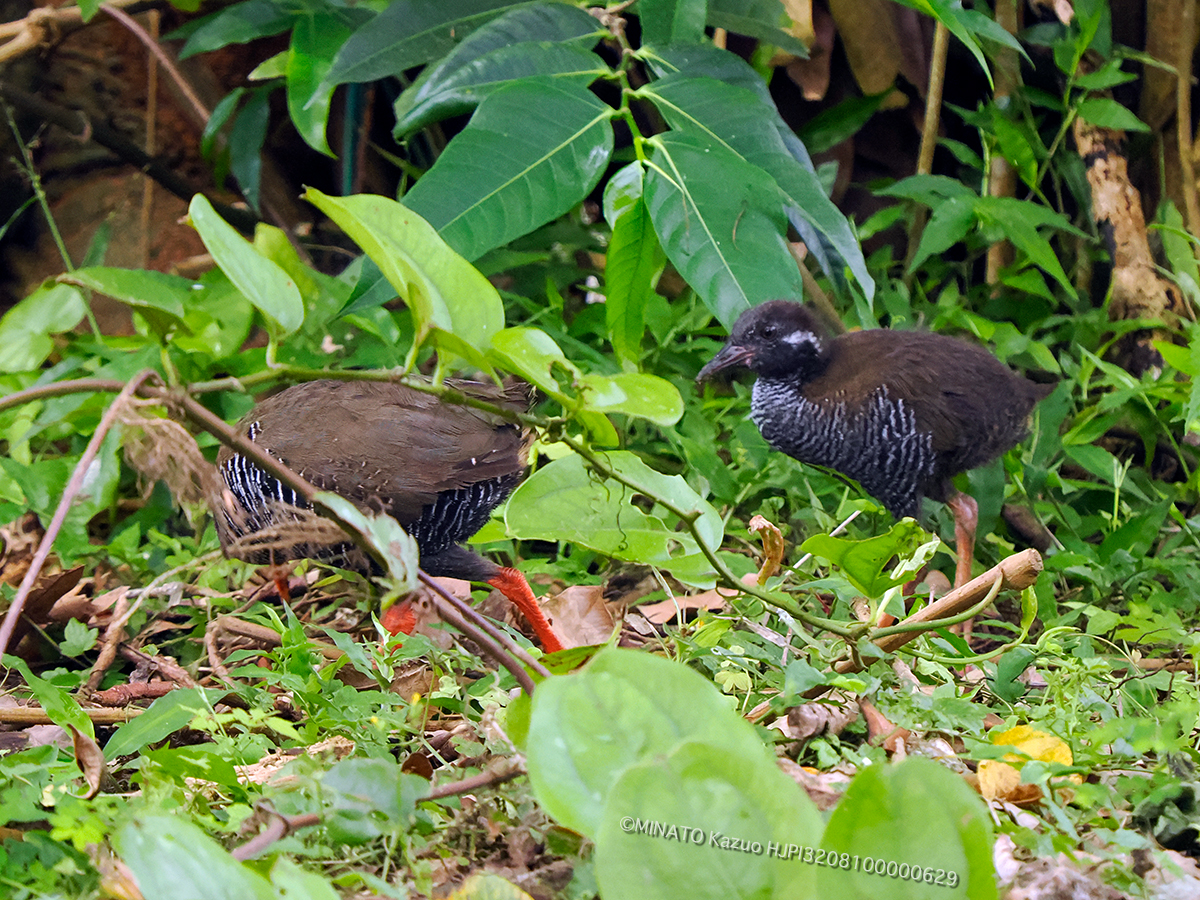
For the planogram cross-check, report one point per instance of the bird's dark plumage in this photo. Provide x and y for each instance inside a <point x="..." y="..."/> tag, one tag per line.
<point x="901" y="412"/>
<point x="438" y="468"/>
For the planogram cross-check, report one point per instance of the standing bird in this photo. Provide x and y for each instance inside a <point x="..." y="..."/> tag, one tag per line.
<point x="438" y="468"/>
<point x="900" y="412"/>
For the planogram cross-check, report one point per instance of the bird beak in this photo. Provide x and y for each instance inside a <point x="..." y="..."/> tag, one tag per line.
<point x="732" y="356"/>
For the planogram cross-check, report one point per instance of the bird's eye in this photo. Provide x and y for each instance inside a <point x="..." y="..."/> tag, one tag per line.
<point x="768" y="331"/>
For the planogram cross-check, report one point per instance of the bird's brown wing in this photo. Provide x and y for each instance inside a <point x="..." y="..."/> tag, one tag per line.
<point x="972" y="404"/>
<point x="387" y="446"/>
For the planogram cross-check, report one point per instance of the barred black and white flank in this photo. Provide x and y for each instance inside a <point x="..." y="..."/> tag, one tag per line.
<point x="439" y="469"/>
<point x="900" y="412"/>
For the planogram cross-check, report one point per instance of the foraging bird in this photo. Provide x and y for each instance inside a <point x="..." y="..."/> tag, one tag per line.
<point x="438" y="468"/>
<point x="900" y="412"/>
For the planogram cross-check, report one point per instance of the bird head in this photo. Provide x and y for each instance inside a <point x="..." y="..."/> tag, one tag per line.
<point x="777" y="339"/>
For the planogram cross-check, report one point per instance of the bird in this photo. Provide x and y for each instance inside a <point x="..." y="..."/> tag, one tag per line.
<point x="900" y="412"/>
<point x="438" y="468"/>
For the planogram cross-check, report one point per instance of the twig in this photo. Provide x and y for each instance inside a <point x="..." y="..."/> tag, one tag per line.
<point x="199" y="111"/>
<point x="108" y="650"/>
<point x="1015" y="573"/>
<point x="164" y="665"/>
<point x="689" y="517"/>
<point x="1183" y="119"/>
<point x="77" y="123"/>
<point x="475" y="782"/>
<point x="498" y="645"/>
<point x="64" y="504"/>
<point x="35" y="715"/>
<point x="929" y="131"/>
<point x="450" y="614"/>
<point x="278" y="827"/>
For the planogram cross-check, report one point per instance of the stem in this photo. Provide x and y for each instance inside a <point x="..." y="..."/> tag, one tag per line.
<point x="74" y="486"/>
<point x="689" y="518"/>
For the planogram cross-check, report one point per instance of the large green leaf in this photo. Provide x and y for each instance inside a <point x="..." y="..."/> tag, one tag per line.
<point x="159" y="297"/>
<point x="532" y="354"/>
<point x="672" y="21"/>
<point x="238" y="23"/>
<point x="706" y="823"/>
<point x="315" y="39"/>
<point x="263" y="283"/>
<point x="442" y="289"/>
<point x="172" y="859"/>
<point x="721" y="221"/>
<point x="545" y="39"/>
<point x="632" y="265"/>
<point x="949" y="855"/>
<point x="565" y="501"/>
<point x="466" y="87"/>
<point x="587" y="728"/>
<point x="26" y="328"/>
<point x="531" y="152"/>
<point x="410" y="33"/>
<point x="741" y="121"/>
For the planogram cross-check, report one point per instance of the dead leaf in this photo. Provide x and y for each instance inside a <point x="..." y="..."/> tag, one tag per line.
<point x="580" y="616"/>
<point x="812" y="719"/>
<point x="664" y="611"/>
<point x="825" y="789"/>
<point x="90" y="759"/>
<point x="880" y="730"/>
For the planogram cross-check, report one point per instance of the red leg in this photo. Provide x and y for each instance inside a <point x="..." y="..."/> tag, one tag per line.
<point x="512" y="584"/>
<point x="399" y="617"/>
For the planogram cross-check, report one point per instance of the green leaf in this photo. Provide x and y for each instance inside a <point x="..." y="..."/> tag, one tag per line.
<point x="160" y="298"/>
<point x="830" y="127"/>
<point x="634" y="394"/>
<point x="410" y="33"/>
<point x="315" y="39"/>
<point x="1020" y="220"/>
<point x="952" y="847"/>
<point x="466" y="88"/>
<point x="545" y="39"/>
<point x="761" y="19"/>
<point x="291" y="882"/>
<point x="626" y="707"/>
<point x="369" y="798"/>
<point x="750" y="820"/>
<point x="951" y="222"/>
<point x="1110" y="114"/>
<point x="556" y="142"/>
<point x="172" y="859"/>
<point x="383" y="534"/>
<point x="672" y="21"/>
<point x="752" y="128"/>
<point x="26" y="328"/>
<point x="246" y="137"/>
<point x="262" y="282"/>
<point x="239" y="23"/>
<point x="77" y="639"/>
<point x="632" y="265"/>
<point x="164" y="717"/>
<point x="864" y="562"/>
<point x="448" y="297"/>
<point x="721" y="223"/>
<point x="63" y="709"/>
<point x="565" y="501"/>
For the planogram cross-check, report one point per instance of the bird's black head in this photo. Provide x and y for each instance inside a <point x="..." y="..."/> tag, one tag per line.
<point x="778" y="339"/>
